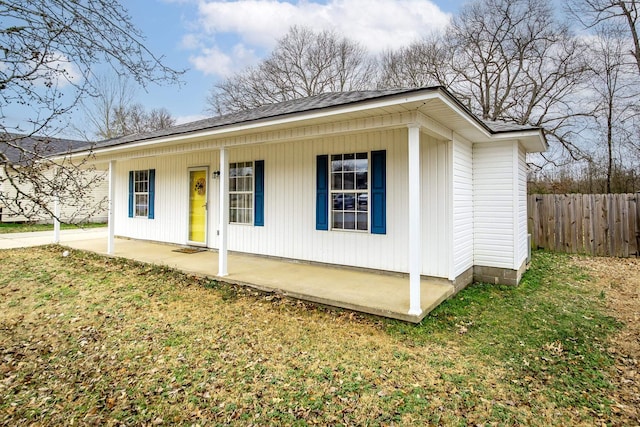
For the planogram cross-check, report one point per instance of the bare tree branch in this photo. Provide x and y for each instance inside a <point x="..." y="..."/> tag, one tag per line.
<point x="304" y="63"/>
<point x="49" y="49"/>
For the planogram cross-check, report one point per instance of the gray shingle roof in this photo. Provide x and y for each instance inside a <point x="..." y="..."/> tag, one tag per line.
<point x="268" y="111"/>
<point x="281" y="109"/>
<point x="498" y="126"/>
<point x="35" y="147"/>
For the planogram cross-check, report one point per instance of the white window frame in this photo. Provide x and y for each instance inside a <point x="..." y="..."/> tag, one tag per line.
<point x="140" y="184"/>
<point x="356" y="192"/>
<point x="243" y="215"/>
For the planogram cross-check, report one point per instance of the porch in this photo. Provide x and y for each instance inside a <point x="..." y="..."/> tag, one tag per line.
<point x="365" y="291"/>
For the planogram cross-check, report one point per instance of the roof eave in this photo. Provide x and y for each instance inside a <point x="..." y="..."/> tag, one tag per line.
<point x="388" y="100"/>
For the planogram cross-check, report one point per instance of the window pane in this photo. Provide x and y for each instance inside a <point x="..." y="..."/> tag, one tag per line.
<point x="363" y="202"/>
<point x="142" y="203"/>
<point x="337" y="220"/>
<point x="336" y="181"/>
<point x="349" y="162"/>
<point x="336" y="201"/>
<point x="349" y="221"/>
<point x="249" y="216"/>
<point x="336" y="163"/>
<point x="362" y="165"/>
<point x="362" y="221"/>
<point x="349" y="201"/>
<point x="349" y="181"/>
<point x="361" y="180"/>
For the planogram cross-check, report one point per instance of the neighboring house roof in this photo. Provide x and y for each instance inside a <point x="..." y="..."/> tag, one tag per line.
<point x="35" y="147"/>
<point x="297" y="106"/>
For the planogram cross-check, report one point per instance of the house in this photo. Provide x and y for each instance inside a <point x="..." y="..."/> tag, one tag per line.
<point x="17" y="208"/>
<point x="406" y="181"/>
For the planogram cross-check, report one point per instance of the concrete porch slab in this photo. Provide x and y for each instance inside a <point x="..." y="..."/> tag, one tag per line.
<point x="365" y="291"/>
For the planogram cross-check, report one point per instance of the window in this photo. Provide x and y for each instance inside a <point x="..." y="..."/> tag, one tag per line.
<point x="350" y="191"/>
<point x="340" y="194"/>
<point x="141" y="193"/>
<point x="241" y="189"/>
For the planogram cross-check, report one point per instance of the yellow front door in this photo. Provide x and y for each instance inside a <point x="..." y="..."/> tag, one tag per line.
<point x="197" y="206"/>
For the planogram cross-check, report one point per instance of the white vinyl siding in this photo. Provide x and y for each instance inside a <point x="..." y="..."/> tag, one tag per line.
<point x="290" y="213"/>
<point x="494" y="205"/>
<point x="289" y="206"/>
<point x="69" y="213"/>
<point x="435" y="189"/>
<point x="462" y="206"/>
<point x="452" y="198"/>
<point x="522" y="231"/>
<point x="171" y="200"/>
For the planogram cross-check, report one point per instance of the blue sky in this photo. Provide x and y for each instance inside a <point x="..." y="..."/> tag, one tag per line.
<point x="213" y="39"/>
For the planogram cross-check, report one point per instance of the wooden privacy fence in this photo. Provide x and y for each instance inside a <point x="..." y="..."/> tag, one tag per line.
<point x="594" y="224"/>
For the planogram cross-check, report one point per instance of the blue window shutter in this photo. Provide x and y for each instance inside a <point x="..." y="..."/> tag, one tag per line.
<point x="258" y="209"/>
<point x="322" y="192"/>
<point x="152" y="193"/>
<point x="130" y="194"/>
<point x="379" y="192"/>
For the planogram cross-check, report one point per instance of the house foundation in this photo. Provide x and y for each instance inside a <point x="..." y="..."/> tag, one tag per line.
<point x="498" y="276"/>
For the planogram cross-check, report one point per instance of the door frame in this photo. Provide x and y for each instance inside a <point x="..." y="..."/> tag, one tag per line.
<point x="206" y="209"/>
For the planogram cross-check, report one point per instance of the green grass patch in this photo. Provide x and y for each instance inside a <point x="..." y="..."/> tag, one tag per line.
<point x="24" y="227"/>
<point x="550" y="333"/>
<point x="109" y="341"/>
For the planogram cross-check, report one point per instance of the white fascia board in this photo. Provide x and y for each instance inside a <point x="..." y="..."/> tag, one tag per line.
<point x="262" y="123"/>
<point x="525" y="136"/>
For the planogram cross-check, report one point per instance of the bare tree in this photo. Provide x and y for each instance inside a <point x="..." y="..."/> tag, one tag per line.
<point x="615" y="93"/>
<point x="516" y="63"/>
<point x="304" y="63"/>
<point x="50" y="48"/>
<point x="623" y="13"/>
<point x="110" y="94"/>
<point x="421" y="64"/>
<point x="508" y="60"/>
<point x="135" y="119"/>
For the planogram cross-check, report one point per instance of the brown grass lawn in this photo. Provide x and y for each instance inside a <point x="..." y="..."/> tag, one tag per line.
<point x="90" y="340"/>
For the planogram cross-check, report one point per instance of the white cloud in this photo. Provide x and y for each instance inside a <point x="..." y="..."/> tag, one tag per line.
<point x="256" y="25"/>
<point x="215" y="61"/>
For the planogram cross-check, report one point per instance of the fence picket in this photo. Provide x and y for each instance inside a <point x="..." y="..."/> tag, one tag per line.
<point x="594" y="224"/>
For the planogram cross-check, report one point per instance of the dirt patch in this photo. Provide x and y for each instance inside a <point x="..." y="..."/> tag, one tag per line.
<point x="618" y="280"/>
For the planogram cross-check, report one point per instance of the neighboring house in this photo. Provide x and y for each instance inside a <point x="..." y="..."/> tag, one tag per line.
<point x="32" y="146"/>
<point x="402" y="181"/>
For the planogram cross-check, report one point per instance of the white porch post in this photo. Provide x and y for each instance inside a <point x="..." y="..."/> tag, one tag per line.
<point x="415" y="236"/>
<point x="111" y="214"/>
<point x="56" y="219"/>
<point x="224" y="213"/>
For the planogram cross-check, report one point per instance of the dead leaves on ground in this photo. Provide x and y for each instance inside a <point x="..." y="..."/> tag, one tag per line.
<point x="95" y="341"/>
